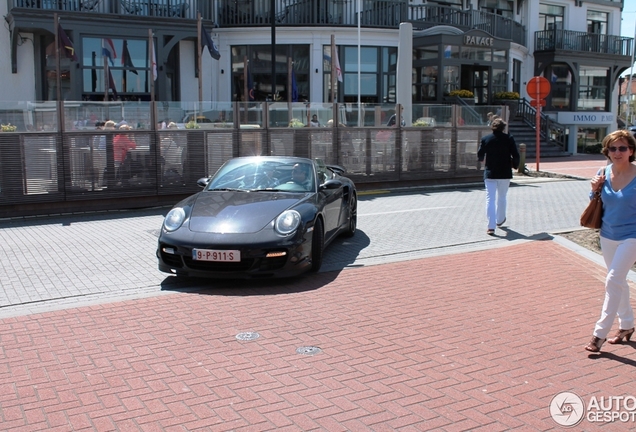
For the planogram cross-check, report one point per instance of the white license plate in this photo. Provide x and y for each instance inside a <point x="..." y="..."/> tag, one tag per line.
<point x="216" y="255"/>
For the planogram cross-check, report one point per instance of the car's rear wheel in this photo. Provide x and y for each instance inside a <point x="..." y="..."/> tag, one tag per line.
<point x="317" y="246"/>
<point x="353" y="216"/>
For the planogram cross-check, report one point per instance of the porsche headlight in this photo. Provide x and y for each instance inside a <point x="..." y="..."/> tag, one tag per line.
<point x="174" y="219"/>
<point x="287" y="222"/>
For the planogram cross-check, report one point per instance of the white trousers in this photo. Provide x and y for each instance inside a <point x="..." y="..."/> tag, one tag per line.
<point x="496" y="192"/>
<point x="619" y="258"/>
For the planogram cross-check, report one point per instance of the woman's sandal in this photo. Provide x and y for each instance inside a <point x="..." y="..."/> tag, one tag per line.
<point x="595" y="344"/>
<point x="618" y="337"/>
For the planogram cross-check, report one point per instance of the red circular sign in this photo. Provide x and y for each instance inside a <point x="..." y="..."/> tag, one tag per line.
<point x="535" y="102"/>
<point x="538" y="87"/>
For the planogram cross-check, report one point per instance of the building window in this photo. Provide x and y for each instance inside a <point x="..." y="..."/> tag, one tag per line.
<point x="560" y="78"/>
<point x="593" y="85"/>
<point x="497" y="7"/>
<point x="378" y="67"/>
<point x="516" y="76"/>
<point x="259" y="72"/>
<point x="129" y="68"/>
<point x="589" y="140"/>
<point x="499" y="81"/>
<point x="597" y="22"/>
<point x="425" y="84"/>
<point x="451" y="79"/>
<point x="474" y="53"/>
<point x="427" y="52"/>
<point x="551" y="17"/>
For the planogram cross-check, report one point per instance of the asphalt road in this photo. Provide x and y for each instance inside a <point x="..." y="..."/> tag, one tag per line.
<point x="67" y="261"/>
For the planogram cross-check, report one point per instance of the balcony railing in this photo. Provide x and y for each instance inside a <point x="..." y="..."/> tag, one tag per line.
<point x="248" y="13"/>
<point x="149" y="8"/>
<point x="552" y="40"/>
<point x="500" y="27"/>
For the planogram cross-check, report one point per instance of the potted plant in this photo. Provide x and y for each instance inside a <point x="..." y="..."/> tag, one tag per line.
<point x="424" y="122"/>
<point x="510" y="99"/>
<point x="467" y="95"/>
<point x="295" y="123"/>
<point x="8" y="128"/>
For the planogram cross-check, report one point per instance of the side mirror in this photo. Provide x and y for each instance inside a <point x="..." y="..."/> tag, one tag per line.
<point x="331" y="184"/>
<point x="203" y="182"/>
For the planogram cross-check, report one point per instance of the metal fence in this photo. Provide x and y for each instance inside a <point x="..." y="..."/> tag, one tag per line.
<point x="43" y="173"/>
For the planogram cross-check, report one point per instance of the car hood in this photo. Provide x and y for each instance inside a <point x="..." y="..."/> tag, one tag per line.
<point x="238" y="212"/>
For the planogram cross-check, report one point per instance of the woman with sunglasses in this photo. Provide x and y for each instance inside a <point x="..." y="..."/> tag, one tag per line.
<point x="617" y="185"/>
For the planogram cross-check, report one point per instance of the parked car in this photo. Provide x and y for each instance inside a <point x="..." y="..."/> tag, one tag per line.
<point x="259" y="217"/>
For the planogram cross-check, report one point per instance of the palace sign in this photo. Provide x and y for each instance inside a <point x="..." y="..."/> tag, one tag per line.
<point x="479" y="41"/>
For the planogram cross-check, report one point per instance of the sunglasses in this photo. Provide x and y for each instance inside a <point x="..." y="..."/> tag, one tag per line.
<point x="621" y="149"/>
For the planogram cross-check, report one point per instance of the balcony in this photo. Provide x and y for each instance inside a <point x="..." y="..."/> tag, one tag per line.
<point x="582" y="42"/>
<point x="426" y="16"/>
<point x="303" y="13"/>
<point x="174" y="9"/>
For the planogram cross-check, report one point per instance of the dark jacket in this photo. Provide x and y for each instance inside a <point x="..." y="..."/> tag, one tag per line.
<point x="500" y="151"/>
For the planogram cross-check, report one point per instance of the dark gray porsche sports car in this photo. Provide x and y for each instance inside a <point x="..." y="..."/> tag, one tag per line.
<point x="262" y="216"/>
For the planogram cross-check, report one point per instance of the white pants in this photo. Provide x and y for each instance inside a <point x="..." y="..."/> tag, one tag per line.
<point x="619" y="258"/>
<point x="496" y="192"/>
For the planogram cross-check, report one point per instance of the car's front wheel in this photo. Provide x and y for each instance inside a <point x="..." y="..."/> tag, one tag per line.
<point x="353" y="217"/>
<point x="317" y="246"/>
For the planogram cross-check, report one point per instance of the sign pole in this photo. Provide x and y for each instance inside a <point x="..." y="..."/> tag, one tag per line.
<point x="538" y="125"/>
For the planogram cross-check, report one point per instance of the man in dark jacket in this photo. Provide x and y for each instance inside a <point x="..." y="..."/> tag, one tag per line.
<point x="500" y="151"/>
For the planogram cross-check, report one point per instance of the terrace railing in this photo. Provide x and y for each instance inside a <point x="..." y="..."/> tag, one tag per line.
<point x="568" y="40"/>
<point x="45" y="170"/>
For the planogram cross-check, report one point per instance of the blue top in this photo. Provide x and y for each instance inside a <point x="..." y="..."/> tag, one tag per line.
<point x="619" y="210"/>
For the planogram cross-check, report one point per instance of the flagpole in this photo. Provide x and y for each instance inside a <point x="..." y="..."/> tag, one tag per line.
<point x="58" y="78"/>
<point x="106" y="81"/>
<point x="359" y="76"/>
<point x="629" y="85"/>
<point x="246" y="93"/>
<point x="289" y="89"/>
<point x="333" y="72"/>
<point x="199" y="63"/>
<point x="153" y="113"/>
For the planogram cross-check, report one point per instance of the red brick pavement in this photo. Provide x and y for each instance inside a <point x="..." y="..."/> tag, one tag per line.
<point x="475" y="341"/>
<point x="583" y="166"/>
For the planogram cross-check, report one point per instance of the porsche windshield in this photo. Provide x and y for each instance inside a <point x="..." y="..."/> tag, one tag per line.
<point x="255" y="174"/>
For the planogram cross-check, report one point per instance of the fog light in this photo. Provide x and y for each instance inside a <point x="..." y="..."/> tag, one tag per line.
<point x="169" y="250"/>
<point x="275" y="254"/>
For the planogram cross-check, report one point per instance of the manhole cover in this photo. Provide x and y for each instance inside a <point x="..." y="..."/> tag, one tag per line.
<point x="308" y="350"/>
<point x="247" y="336"/>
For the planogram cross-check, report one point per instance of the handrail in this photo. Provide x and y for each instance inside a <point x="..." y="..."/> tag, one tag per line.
<point x="551" y="131"/>
<point x="474" y="118"/>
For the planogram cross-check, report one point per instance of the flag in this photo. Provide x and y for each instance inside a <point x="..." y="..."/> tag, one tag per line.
<point x="554" y="77"/>
<point x="207" y="41"/>
<point x="447" y="51"/>
<point x="65" y="44"/>
<point x="154" y="62"/>
<point x="108" y="50"/>
<point x="294" y="87"/>
<point x="250" y="85"/>
<point x="337" y="65"/>
<point x="126" y="61"/>
<point x="111" y="83"/>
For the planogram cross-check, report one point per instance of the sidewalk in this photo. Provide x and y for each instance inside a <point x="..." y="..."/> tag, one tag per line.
<point x="582" y="166"/>
<point x="481" y="340"/>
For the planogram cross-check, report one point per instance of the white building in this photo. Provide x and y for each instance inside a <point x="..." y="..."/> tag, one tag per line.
<point x="485" y="46"/>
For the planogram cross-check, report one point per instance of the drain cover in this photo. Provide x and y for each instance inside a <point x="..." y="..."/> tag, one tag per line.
<point x="247" y="336"/>
<point x="308" y="350"/>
